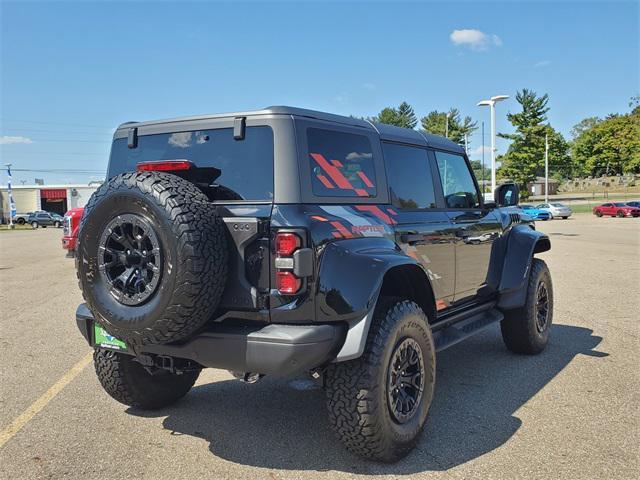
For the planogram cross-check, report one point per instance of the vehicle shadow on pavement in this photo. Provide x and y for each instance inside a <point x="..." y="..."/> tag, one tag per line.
<point x="282" y="424"/>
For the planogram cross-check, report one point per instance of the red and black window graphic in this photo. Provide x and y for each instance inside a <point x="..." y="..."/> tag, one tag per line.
<point x="341" y="164"/>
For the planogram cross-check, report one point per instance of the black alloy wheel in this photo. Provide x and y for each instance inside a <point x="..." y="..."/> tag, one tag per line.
<point x="405" y="380"/>
<point x="130" y="259"/>
<point x="542" y="307"/>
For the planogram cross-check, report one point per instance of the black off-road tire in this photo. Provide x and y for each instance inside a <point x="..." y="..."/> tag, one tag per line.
<point x="131" y="384"/>
<point x="356" y="391"/>
<point x="193" y="244"/>
<point x="521" y="331"/>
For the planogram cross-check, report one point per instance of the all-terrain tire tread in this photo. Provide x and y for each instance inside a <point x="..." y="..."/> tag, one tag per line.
<point x="126" y="380"/>
<point x="518" y="326"/>
<point x="202" y="250"/>
<point x="351" y="388"/>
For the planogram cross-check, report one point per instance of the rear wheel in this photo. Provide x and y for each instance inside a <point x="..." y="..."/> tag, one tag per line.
<point x="378" y="403"/>
<point x="564" y="218"/>
<point x="526" y="330"/>
<point x="130" y="383"/>
<point x="21" y="221"/>
<point x="619" y="214"/>
<point x="56" y="224"/>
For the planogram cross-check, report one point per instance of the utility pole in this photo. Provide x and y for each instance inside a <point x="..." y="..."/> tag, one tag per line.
<point x="546" y="168"/>
<point x="12" y="204"/>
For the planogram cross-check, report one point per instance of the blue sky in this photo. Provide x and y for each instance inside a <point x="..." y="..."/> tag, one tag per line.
<point x="73" y="71"/>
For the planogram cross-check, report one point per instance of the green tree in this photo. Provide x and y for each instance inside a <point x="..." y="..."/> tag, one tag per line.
<point x="406" y="116"/>
<point x="403" y="116"/>
<point x="524" y="160"/>
<point x="388" y="115"/>
<point x="610" y="146"/>
<point x="436" y="122"/>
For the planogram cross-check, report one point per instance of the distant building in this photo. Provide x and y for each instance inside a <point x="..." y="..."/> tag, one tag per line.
<point x="537" y="186"/>
<point x="51" y="198"/>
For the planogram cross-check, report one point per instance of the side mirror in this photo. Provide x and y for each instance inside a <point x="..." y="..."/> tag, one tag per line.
<point x="507" y="195"/>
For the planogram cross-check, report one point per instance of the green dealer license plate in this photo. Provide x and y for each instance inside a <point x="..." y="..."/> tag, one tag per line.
<point x="103" y="339"/>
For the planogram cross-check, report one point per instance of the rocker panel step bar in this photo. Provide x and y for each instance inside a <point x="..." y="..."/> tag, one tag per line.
<point x="450" y="335"/>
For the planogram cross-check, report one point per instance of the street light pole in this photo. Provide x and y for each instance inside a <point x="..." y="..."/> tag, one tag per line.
<point x="546" y="168"/>
<point x="492" y="104"/>
<point x="446" y="126"/>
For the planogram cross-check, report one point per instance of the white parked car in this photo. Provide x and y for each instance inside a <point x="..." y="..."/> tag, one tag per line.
<point x="556" y="210"/>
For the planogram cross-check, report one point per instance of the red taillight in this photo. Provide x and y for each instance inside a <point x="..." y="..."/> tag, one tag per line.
<point x="287" y="282"/>
<point x="164" y="166"/>
<point x="287" y="243"/>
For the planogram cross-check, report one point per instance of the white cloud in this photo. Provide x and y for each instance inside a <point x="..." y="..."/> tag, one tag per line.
<point x="10" y="140"/>
<point x="474" y="39"/>
<point x="542" y="63"/>
<point x="477" y="152"/>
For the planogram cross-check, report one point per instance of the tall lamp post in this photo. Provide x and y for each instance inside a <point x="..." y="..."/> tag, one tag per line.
<point x="492" y="104"/>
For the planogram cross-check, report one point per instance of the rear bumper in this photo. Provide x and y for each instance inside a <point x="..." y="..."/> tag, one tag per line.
<point x="273" y="349"/>
<point x="69" y="243"/>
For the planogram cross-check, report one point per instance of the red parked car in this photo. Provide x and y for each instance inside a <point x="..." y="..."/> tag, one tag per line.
<point x="70" y="230"/>
<point x="616" y="209"/>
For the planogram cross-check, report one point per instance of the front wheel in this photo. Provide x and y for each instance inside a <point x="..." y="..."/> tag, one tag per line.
<point x="619" y="214"/>
<point x="20" y="221"/>
<point x="378" y="403"/>
<point x="128" y="382"/>
<point x="526" y="330"/>
<point x="34" y="225"/>
<point x="598" y="213"/>
<point x="564" y="218"/>
<point x="56" y="224"/>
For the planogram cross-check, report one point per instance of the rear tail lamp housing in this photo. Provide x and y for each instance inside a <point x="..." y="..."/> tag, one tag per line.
<point x="292" y="262"/>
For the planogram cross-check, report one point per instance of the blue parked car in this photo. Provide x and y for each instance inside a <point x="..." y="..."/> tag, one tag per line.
<point x="535" y="213"/>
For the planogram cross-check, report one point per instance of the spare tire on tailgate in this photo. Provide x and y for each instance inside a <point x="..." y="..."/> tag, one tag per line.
<point x="151" y="258"/>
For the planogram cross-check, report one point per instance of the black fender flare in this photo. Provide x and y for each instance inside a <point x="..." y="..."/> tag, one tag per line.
<point x="522" y="244"/>
<point x="350" y="279"/>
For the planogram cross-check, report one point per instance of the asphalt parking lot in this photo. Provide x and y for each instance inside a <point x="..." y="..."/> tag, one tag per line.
<point x="571" y="412"/>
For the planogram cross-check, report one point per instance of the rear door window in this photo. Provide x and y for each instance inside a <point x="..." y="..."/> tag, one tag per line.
<point x="409" y="177"/>
<point x="341" y="164"/>
<point x="458" y="186"/>
<point x="246" y="165"/>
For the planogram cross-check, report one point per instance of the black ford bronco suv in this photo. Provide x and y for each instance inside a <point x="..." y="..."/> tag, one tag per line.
<point x="284" y="241"/>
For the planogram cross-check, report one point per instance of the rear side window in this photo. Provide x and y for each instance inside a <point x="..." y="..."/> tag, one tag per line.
<point x="409" y="177"/>
<point x="246" y="165"/>
<point x="341" y="164"/>
<point x="457" y="183"/>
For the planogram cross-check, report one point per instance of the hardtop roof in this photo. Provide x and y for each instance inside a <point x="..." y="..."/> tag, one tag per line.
<point x="386" y="132"/>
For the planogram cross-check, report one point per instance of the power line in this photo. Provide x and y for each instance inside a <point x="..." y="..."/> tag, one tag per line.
<point x="58" y="170"/>
<point x="66" y="132"/>
<point x="54" y="123"/>
<point x="37" y="140"/>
